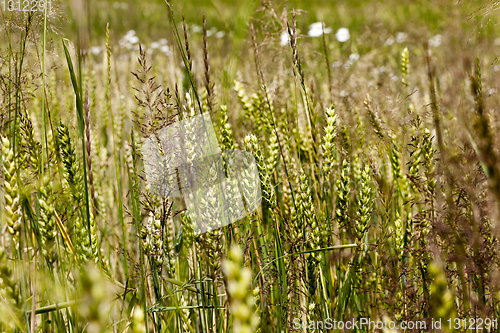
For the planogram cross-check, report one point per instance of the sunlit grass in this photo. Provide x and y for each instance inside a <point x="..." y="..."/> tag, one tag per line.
<point x="375" y="149"/>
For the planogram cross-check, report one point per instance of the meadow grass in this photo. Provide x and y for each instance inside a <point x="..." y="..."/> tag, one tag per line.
<point x="376" y="157"/>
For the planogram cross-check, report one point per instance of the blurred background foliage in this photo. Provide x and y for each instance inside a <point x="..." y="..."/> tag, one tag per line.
<point x="150" y="20"/>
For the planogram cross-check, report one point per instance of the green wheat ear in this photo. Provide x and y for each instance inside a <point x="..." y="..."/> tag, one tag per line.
<point x="30" y="148"/>
<point x="95" y="292"/>
<point x="252" y="145"/>
<point x="329" y="140"/>
<point x="272" y="160"/>
<point x="152" y="240"/>
<point x="226" y="140"/>
<point x="400" y="180"/>
<point x="13" y="212"/>
<point x="85" y="248"/>
<point x="305" y="202"/>
<point x="187" y="230"/>
<point x="72" y="172"/>
<point x="241" y="302"/>
<point x="304" y="220"/>
<point x="226" y="136"/>
<point x="257" y="308"/>
<point x="10" y="306"/>
<point x="343" y="194"/>
<point x="170" y="246"/>
<point x="429" y="163"/>
<point x="404" y="66"/>
<point x="138" y="325"/>
<point x="441" y="298"/>
<point x="47" y="224"/>
<point x="365" y="203"/>
<point x="374" y="117"/>
<point x="186" y="321"/>
<point x="244" y="100"/>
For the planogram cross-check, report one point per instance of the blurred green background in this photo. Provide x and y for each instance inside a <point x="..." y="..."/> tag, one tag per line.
<point x="150" y="19"/>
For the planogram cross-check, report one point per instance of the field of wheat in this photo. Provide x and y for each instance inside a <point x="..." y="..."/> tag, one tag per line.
<point x="335" y="166"/>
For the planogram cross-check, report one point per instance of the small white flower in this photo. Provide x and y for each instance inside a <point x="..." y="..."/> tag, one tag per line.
<point x="220" y="34"/>
<point x="96" y="50"/>
<point x="316" y="29"/>
<point x="343" y="35"/>
<point x="401" y="37"/>
<point x="130" y="33"/>
<point x="163" y="41"/>
<point x="491" y="91"/>
<point x="337" y="63"/>
<point x="155" y="45"/>
<point x="354" y="57"/>
<point x="435" y="41"/>
<point x="133" y="40"/>
<point x="284" y="38"/>
<point x="389" y="41"/>
<point x="343" y="93"/>
<point x="165" y="49"/>
<point x="212" y="31"/>
<point x="196" y="28"/>
<point x="496" y="68"/>
<point x="126" y="44"/>
<point x="382" y="69"/>
<point x="394" y="77"/>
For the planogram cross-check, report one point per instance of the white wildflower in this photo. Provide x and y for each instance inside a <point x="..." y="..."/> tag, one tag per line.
<point x="316" y="29"/>
<point x="96" y="50"/>
<point x="337" y="64"/>
<point x="133" y="40"/>
<point x="165" y="49"/>
<point x="401" y="37"/>
<point x="284" y="38"/>
<point x="343" y="35"/>
<point x="354" y="57"/>
<point x="196" y="28"/>
<point x="129" y="40"/>
<point x="435" y="41"/>
<point x="212" y="31"/>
